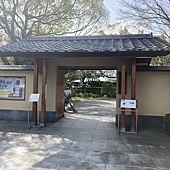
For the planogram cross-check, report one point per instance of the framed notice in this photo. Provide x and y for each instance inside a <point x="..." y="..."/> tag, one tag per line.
<point x="12" y="88"/>
<point x="130" y="104"/>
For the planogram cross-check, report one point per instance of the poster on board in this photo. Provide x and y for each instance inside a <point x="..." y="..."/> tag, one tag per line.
<point x="12" y="88"/>
<point x="130" y="104"/>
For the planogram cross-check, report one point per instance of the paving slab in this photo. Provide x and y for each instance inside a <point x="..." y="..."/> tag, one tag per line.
<point x="79" y="165"/>
<point x="87" y="140"/>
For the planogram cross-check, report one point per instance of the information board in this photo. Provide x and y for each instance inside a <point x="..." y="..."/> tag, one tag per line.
<point x="12" y="87"/>
<point x="130" y="104"/>
<point x="34" y="97"/>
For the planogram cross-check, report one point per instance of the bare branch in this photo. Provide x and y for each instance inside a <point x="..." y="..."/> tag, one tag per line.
<point x="155" y="13"/>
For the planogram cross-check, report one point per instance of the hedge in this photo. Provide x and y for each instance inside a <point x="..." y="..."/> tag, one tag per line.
<point x="167" y="123"/>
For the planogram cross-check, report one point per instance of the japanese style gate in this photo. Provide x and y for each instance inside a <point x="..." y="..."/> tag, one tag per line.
<point x="121" y="52"/>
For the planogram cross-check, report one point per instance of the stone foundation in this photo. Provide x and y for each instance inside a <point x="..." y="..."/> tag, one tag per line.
<point x="144" y="122"/>
<point x="22" y="115"/>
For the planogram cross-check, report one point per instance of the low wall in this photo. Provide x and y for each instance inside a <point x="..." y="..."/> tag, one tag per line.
<point x="144" y="122"/>
<point x="22" y="115"/>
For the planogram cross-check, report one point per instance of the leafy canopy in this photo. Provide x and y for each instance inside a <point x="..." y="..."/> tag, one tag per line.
<point x="21" y="18"/>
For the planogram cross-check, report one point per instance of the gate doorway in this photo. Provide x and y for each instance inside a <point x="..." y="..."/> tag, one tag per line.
<point x="54" y="55"/>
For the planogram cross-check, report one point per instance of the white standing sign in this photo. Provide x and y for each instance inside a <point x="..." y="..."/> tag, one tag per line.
<point x="34" y="97"/>
<point x="130" y="104"/>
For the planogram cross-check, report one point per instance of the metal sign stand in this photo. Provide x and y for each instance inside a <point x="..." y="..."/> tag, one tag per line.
<point x="127" y="106"/>
<point x="34" y="98"/>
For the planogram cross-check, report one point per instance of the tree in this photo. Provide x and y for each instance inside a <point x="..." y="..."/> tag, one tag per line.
<point x="124" y="31"/>
<point x="124" y="27"/>
<point x="22" y="18"/>
<point x="109" y="89"/>
<point x="84" y="76"/>
<point x="161" y="61"/>
<point x="155" y="13"/>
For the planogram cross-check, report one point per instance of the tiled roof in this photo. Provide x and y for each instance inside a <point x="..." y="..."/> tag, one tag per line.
<point x="110" y="43"/>
<point x="16" y="67"/>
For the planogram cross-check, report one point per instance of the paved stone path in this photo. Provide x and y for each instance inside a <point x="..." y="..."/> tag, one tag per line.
<point x="87" y="140"/>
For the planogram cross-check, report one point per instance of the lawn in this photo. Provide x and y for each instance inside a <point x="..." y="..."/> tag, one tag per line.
<point x="4" y="93"/>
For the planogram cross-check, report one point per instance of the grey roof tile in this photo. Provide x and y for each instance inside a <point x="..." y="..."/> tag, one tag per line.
<point x="111" y="43"/>
<point x="17" y="67"/>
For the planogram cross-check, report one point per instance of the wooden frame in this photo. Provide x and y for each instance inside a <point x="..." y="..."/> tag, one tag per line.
<point x="35" y="90"/>
<point x="60" y="92"/>
<point x="43" y="101"/>
<point x="123" y="95"/>
<point x="133" y="93"/>
<point x="119" y="82"/>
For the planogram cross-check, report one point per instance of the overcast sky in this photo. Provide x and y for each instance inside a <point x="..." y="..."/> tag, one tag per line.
<point x="111" y="5"/>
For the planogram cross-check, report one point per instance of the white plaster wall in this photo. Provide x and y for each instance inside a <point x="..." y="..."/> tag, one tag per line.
<point x="153" y="93"/>
<point x="86" y="61"/>
<point x="153" y="90"/>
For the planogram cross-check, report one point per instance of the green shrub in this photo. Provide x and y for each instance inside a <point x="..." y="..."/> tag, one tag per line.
<point x="80" y="95"/>
<point x="109" y="89"/>
<point x="167" y="123"/>
<point x="93" y="90"/>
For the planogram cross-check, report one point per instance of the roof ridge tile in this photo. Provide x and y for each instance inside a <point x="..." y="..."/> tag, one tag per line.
<point x="96" y="37"/>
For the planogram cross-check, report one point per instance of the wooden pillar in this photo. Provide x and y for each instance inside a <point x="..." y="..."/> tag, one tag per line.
<point x="43" y="97"/>
<point x="123" y="86"/>
<point x="133" y="92"/>
<point x="35" y="90"/>
<point x="60" y="93"/>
